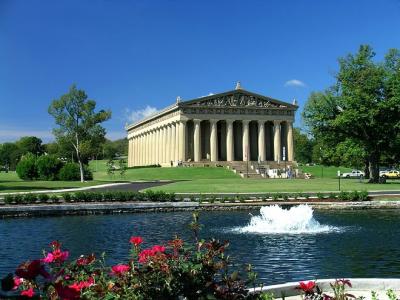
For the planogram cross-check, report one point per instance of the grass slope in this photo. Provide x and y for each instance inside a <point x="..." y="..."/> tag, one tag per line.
<point x="10" y="182"/>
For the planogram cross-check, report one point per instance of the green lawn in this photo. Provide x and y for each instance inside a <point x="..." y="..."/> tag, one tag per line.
<point x="324" y="171"/>
<point x="271" y="185"/>
<point x="10" y="182"/>
<point x="161" y="173"/>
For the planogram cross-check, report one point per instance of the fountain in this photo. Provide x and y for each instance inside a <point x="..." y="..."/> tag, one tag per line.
<point x="276" y="220"/>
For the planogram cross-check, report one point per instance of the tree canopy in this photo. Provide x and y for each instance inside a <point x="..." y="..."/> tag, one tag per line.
<point x="78" y="124"/>
<point x="361" y="109"/>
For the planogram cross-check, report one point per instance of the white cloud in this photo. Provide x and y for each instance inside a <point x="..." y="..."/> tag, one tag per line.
<point x="295" y="82"/>
<point x="115" y="135"/>
<point x="13" y="134"/>
<point x="140" y="114"/>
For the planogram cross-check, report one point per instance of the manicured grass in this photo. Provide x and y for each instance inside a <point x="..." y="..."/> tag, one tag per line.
<point x="10" y="182"/>
<point x="161" y="173"/>
<point x="324" y="171"/>
<point x="272" y="185"/>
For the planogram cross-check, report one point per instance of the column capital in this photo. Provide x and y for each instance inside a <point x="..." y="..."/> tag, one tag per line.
<point x="246" y="122"/>
<point x="261" y="122"/>
<point x="289" y="122"/>
<point x="229" y="121"/>
<point x="277" y="122"/>
<point x="214" y="120"/>
<point x="196" y="121"/>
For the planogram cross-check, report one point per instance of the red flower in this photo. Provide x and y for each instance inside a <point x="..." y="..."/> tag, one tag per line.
<point x="55" y="245"/>
<point x="120" y="269"/>
<point x="136" y="240"/>
<point x="56" y="256"/>
<point x="28" y="293"/>
<point x="78" y="286"/>
<point x="306" y="287"/>
<point x="31" y="269"/>
<point x="66" y="293"/>
<point x="83" y="261"/>
<point x="147" y="253"/>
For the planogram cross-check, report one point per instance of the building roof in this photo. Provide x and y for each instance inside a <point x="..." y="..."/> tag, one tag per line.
<point x="235" y="98"/>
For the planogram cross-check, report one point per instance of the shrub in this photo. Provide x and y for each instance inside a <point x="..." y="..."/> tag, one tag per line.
<point x="54" y="198"/>
<point x="29" y="198"/>
<point x="18" y="199"/>
<point x="108" y="196"/>
<point x="43" y="198"/>
<point x="71" y="172"/>
<point x="320" y="196"/>
<point x="332" y="196"/>
<point x="67" y="197"/>
<point x="212" y="199"/>
<point x="26" y="168"/>
<point x="8" y="199"/>
<point x="306" y="196"/>
<point x="275" y="197"/>
<point x="363" y="196"/>
<point x="48" y="167"/>
<point x="353" y="196"/>
<point x="343" y="196"/>
<point x="285" y="197"/>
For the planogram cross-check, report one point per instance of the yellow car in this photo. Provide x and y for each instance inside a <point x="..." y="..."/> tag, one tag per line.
<point x="391" y="174"/>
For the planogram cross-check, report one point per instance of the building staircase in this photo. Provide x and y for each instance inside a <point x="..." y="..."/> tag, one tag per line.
<point x="250" y="169"/>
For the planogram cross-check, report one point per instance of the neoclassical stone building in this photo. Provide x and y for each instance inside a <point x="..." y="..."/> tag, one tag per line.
<point x="236" y="125"/>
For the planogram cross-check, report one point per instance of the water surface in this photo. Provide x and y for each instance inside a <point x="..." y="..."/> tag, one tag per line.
<point x="367" y="243"/>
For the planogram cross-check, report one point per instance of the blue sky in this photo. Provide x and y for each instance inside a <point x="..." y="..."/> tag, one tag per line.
<point x="134" y="57"/>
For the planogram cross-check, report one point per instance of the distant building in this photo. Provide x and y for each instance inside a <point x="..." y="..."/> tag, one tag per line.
<point x="233" y="126"/>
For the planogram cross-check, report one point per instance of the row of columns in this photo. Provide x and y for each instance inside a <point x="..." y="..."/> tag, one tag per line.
<point x="160" y="145"/>
<point x="168" y="143"/>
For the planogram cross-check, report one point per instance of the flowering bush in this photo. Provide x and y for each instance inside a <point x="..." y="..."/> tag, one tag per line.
<point x="173" y="270"/>
<point x="311" y="291"/>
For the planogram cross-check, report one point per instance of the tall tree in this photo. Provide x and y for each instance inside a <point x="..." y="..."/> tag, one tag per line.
<point x="77" y="121"/>
<point x="303" y="146"/>
<point x="363" y="106"/>
<point x="30" y="144"/>
<point x="10" y="154"/>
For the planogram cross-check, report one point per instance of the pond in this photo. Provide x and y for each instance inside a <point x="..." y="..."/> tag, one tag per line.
<point x="283" y="246"/>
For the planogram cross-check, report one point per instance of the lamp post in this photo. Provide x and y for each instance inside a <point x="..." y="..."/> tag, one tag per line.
<point x="338" y="174"/>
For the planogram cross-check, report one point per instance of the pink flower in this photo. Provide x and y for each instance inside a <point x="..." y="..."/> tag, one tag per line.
<point x="17" y="282"/>
<point x="56" y="256"/>
<point x="28" y="293"/>
<point x="158" y="248"/>
<point x="136" y="240"/>
<point x="120" y="269"/>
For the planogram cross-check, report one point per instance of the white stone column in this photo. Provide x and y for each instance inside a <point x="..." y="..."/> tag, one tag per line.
<point x="196" y="140"/>
<point x="151" y="150"/>
<point x="277" y="141"/>
<point x="176" y="152"/>
<point x="245" y="140"/>
<point x="162" y="146"/>
<point x="182" y="140"/>
<point x="140" y="151"/>
<point x="290" y="140"/>
<point x="134" y="151"/>
<point x="145" y="148"/>
<point x="230" y="156"/>
<point x="129" y="151"/>
<point x="156" y="145"/>
<point x="173" y="140"/>
<point x="168" y="145"/>
<point x="261" y="140"/>
<point x="213" y="140"/>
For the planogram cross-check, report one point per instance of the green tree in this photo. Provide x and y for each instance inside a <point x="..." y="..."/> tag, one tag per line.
<point x="10" y="154"/>
<point x="78" y="123"/>
<point x="363" y="106"/>
<point x="30" y="144"/>
<point x="27" y="168"/>
<point x="303" y="146"/>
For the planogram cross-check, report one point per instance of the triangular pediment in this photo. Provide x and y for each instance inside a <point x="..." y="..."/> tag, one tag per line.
<point x="237" y="98"/>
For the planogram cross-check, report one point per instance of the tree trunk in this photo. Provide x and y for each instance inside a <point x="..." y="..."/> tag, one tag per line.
<point x="366" y="169"/>
<point x="78" y="157"/>
<point x="374" y="168"/>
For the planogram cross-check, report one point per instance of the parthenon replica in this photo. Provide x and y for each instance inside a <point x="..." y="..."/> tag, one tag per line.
<point x="237" y="125"/>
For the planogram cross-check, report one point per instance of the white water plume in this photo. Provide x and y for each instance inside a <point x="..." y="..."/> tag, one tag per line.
<point x="296" y="220"/>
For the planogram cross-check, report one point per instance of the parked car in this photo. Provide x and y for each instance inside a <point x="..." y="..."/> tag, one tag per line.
<point x="353" y="174"/>
<point x="390" y="174"/>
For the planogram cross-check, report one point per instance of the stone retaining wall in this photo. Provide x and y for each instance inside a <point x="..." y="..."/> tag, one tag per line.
<point x="7" y="211"/>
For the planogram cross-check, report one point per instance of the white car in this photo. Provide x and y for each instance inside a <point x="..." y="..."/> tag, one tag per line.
<point x="354" y="174"/>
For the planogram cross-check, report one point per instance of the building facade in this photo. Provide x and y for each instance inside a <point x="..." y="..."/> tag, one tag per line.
<point x="233" y="126"/>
